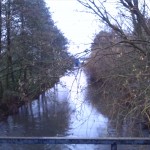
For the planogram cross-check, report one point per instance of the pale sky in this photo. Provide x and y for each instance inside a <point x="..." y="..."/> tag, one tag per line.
<point x="78" y="27"/>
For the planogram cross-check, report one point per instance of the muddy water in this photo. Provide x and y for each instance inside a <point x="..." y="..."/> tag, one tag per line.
<point x="63" y="111"/>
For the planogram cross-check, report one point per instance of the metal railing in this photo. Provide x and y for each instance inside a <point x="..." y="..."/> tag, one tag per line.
<point x="63" y="140"/>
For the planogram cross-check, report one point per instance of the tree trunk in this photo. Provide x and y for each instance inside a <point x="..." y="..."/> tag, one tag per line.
<point x="9" y="57"/>
<point x="0" y="26"/>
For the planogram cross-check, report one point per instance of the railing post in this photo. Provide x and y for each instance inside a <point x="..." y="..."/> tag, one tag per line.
<point x="114" y="146"/>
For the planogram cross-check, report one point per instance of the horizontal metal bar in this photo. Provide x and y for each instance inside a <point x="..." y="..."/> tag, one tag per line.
<point x="65" y="140"/>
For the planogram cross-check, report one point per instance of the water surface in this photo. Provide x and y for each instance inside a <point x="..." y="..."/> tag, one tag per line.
<point x="71" y="109"/>
<point x="62" y="111"/>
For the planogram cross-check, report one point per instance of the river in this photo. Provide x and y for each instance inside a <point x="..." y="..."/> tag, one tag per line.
<point x="63" y="111"/>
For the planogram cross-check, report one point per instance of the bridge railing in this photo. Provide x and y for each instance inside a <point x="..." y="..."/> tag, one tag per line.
<point x="63" y="140"/>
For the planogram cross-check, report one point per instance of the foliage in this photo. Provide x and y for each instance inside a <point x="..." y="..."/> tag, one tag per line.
<point x="120" y="58"/>
<point x="32" y="49"/>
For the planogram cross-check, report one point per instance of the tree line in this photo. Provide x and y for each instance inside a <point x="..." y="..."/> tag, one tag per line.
<point x="33" y="51"/>
<point x="120" y="58"/>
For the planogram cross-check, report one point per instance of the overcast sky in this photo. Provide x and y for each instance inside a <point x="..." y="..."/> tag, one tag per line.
<point x="78" y="27"/>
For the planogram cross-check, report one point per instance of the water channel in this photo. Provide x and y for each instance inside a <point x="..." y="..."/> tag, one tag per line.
<point x="63" y="111"/>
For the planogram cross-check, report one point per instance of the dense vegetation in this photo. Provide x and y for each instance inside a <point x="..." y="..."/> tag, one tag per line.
<point x="33" y="52"/>
<point x="120" y="59"/>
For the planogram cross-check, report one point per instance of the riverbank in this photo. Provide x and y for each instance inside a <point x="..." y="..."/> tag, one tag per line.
<point x="9" y="108"/>
<point x="124" y="110"/>
<point x="62" y="112"/>
<point x="12" y="101"/>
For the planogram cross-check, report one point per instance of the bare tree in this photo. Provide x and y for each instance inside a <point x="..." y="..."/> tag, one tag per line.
<point x="120" y="57"/>
<point x="131" y="13"/>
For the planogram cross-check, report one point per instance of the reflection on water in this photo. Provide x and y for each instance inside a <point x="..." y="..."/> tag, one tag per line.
<point x="61" y="111"/>
<point x="117" y="125"/>
<point x="85" y="121"/>
<point x="70" y="109"/>
<point x="40" y="118"/>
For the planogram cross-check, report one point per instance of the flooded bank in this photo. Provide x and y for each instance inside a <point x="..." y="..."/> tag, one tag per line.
<point x="61" y="111"/>
<point x="67" y="110"/>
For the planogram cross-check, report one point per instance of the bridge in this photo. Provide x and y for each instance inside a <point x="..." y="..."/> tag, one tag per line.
<point x="114" y="142"/>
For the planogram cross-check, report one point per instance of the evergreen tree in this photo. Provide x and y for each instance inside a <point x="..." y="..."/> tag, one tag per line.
<point x="33" y="48"/>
